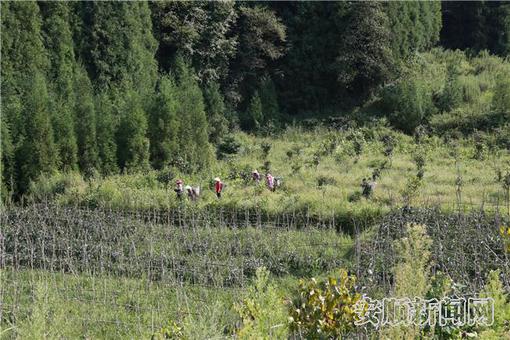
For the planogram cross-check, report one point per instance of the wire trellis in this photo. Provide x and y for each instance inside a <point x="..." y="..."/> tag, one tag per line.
<point x="190" y="253"/>
<point x="164" y="260"/>
<point x="465" y="246"/>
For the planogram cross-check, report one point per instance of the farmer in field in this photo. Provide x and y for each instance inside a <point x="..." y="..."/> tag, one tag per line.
<point x="277" y="182"/>
<point x="179" y="189"/>
<point x="192" y="192"/>
<point x="372" y="184"/>
<point x="270" y="181"/>
<point x="368" y="187"/>
<point x="218" y="187"/>
<point x="365" y="190"/>
<point x="256" y="176"/>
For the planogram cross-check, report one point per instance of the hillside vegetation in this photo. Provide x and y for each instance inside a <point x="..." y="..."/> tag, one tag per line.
<point x="385" y="124"/>
<point x="321" y="171"/>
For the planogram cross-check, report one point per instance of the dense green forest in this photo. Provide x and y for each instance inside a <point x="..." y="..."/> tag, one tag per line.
<point x="115" y="87"/>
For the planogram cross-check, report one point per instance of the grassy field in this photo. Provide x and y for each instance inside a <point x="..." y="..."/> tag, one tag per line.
<point x="40" y="304"/>
<point x="321" y="172"/>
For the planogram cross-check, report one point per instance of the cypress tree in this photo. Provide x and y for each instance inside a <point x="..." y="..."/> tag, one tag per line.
<point x="194" y="147"/>
<point x="122" y="47"/>
<point x="24" y="63"/>
<point x="164" y="123"/>
<point x="501" y="99"/>
<point x="253" y="117"/>
<point x="59" y="44"/>
<point x="215" y="109"/>
<point x="132" y="142"/>
<point x="451" y="96"/>
<point x="36" y="154"/>
<point x="364" y="61"/>
<point x="106" y="127"/>
<point x="269" y="100"/>
<point x="85" y="117"/>
<point x="6" y="161"/>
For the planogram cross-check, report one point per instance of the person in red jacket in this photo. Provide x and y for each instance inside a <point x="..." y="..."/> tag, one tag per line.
<point x="218" y="187"/>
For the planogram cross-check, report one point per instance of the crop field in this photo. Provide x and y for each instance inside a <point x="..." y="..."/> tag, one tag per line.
<point x="71" y="272"/>
<point x="111" y="268"/>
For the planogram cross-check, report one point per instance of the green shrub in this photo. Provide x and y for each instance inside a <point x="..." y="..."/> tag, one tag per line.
<point x="170" y="331"/>
<point x="451" y="95"/>
<point x="411" y="272"/>
<point x="165" y="175"/>
<point x="265" y="147"/>
<point x="408" y="103"/>
<point x="494" y="289"/>
<point x="501" y="99"/>
<point x="325" y="308"/>
<point x="410" y="190"/>
<point x="50" y="187"/>
<point x="325" y="180"/>
<point x="505" y="235"/>
<point x="261" y="310"/>
<point x="227" y="147"/>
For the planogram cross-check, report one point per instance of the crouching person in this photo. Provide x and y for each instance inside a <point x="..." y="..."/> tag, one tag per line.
<point x="193" y="193"/>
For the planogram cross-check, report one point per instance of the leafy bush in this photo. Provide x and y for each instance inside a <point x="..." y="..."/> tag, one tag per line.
<point x="265" y="147"/>
<point x="501" y="99"/>
<point x="170" y="331"/>
<point x="261" y="310"/>
<point x="410" y="191"/>
<point x="324" y="309"/>
<point x="505" y="235"/>
<point x="165" y="175"/>
<point x="495" y="290"/>
<point x="228" y="146"/>
<point x="451" y="95"/>
<point x="411" y="272"/>
<point x="408" y="103"/>
<point x="49" y="187"/>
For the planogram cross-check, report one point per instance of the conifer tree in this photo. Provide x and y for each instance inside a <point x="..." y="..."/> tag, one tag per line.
<point x="364" y="61"/>
<point x="59" y="45"/>
<point x="253" y="117"/>
<point x="106" y="127"/>
<point x="6" y="161"/>
<point x="164" y="123"/>
<point x="451" y="96"/>
<point x="132" y="141"/>
<point x="269" y="100"/>
<point x="215" y="108"/>
<point x="85" y="117"/>
<point x="414" y="26"/>
<point x="36" y="154"/>
<point x="23" y="66"/>
<point x="194" y="147"/>
<point x="122" y="47"/>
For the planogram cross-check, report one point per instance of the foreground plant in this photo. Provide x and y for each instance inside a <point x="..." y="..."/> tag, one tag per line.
<point x="261" y="310"/>
<point x="324" y="309"/>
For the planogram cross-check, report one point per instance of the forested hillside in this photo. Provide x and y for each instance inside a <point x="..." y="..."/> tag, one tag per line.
<point x="255" y="170"/>
<point x="113" y="87"/>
